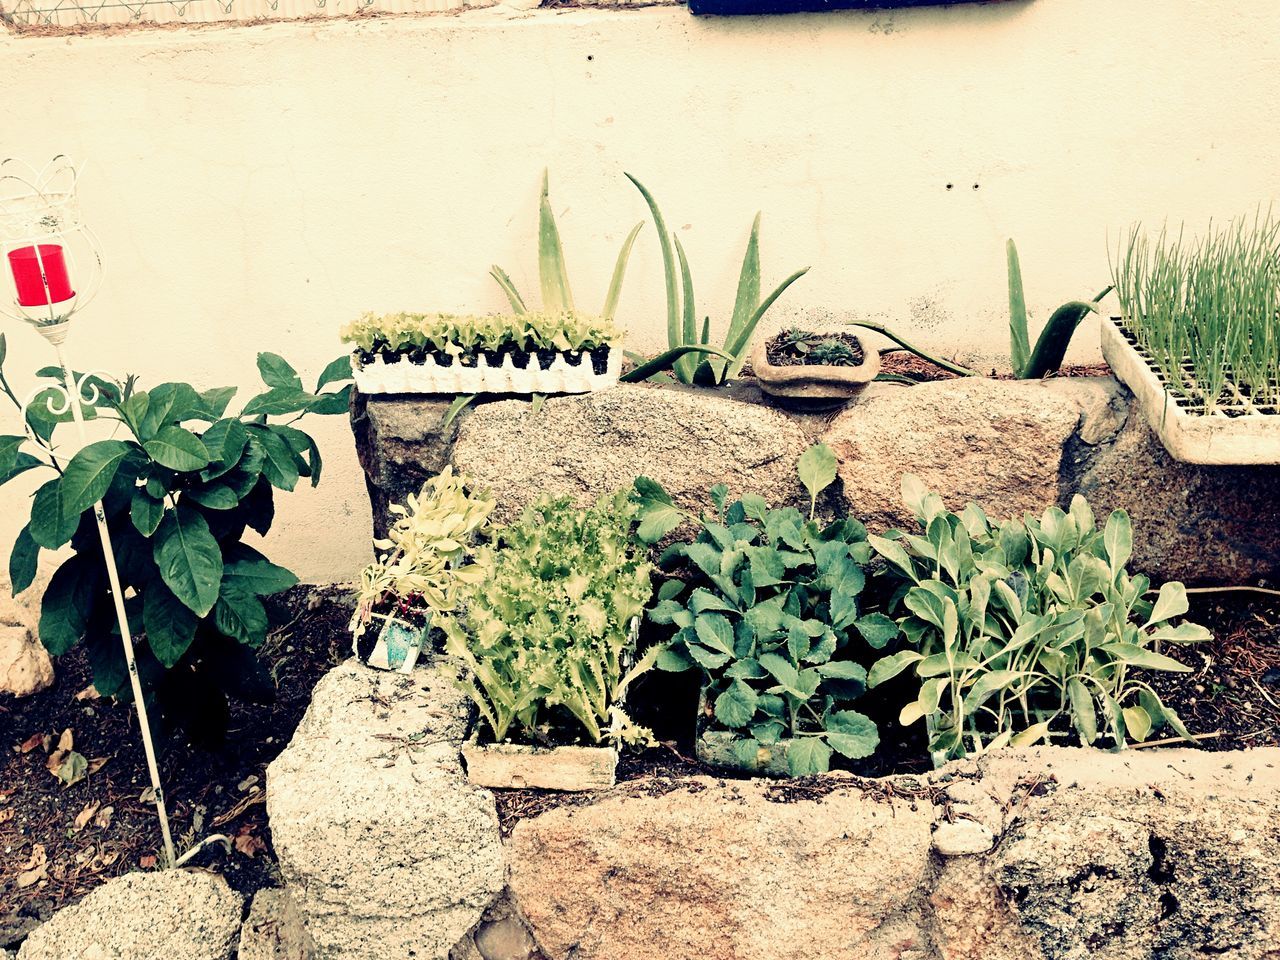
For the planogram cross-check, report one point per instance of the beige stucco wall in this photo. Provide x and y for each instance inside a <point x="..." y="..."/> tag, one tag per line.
<point x="255" y="187"/>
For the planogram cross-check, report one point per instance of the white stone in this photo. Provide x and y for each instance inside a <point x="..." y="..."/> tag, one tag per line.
<point x="170" y="914"/>
<point x="274" y="929"/>
<point x="962" y="837"/>
<point x="387" y="850"/>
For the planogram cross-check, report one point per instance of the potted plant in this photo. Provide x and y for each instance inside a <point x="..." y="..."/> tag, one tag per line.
<point x="1198" y="340"/>
<point x="421" y="574"/>
<point x="815" y="369"/>
<point x="770" y="616"/>
<point x="547" y="644"/>
<point x="1028" y="630"/>
<point x="447" y="353"/>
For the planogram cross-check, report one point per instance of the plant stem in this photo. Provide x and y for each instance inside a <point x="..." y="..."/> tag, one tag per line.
<point x="937" y="361"/>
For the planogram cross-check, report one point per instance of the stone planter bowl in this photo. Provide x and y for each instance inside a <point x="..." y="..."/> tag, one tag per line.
<point x="814" y="385"/>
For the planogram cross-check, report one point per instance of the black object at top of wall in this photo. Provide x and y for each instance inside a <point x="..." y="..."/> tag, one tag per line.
<point x="752" y="7"/>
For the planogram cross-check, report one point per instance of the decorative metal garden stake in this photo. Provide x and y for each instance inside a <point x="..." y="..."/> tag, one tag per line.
<point x="48" y="246"/>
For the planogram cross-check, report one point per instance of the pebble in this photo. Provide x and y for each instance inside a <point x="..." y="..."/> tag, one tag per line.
<point x="962" y="838"/>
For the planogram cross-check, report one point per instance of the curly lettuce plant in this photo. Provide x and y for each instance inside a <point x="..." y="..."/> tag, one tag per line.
<point x="545" y="635"/>
<point x="424" y="567"/>
<point x="772" y="619"/>
<point x="181" y="483"/>
<point x="1018" y="628"/>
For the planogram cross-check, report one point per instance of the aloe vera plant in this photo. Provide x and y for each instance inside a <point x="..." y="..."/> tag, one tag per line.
<point x="700" y="363"/>
<point x="557" y="297"/>
<point x="1051" y="345"/>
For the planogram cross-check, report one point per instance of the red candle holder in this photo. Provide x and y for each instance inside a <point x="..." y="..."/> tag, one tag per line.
<point x="39" y="287"/>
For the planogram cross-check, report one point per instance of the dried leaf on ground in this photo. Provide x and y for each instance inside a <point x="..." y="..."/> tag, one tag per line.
<point x="33" y="741"/>
<point x="84" y="816"/>
<point x="247" y="843"/>
<point x="35" y="869"/>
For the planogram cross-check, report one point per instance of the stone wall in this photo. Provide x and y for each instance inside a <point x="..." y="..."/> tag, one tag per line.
<point x="1012" y="446"/>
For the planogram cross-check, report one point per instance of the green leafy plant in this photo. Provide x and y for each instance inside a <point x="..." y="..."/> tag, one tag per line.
<point x="1051" y="345"/>
<point x="770" y="618"/>
<point x="697" y="364"/>
<point x="179" y="489"/>
<point x="1206" y="312"/>
<point x="463" y="338"/>
<point x="553" y="274"/>
<point x="424" y="567"/>
<point x="1019" y="629"/>
<point x="545" y="635"/>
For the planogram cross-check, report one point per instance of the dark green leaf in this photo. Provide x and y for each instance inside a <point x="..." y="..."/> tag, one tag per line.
<point x="21" y="464"/>
<point x="178" y="449"/>
<point x="736" y="706"/>
<point x="170" y="625"/>
<point x="240" y="614"/>
<point x="189" y="558"/>
<point x="877" y="629"/>
<point x="215" y="496"/>
<point x="259" y="507"/>
<point x="67" y="603"/>
<point x="90" y="472"/>
<point x="248" y="570"/>
<point x="23" y="561"/>
<point x="329" y="404"/>
<point x="169" y="403"/>
<point x="278" y="466"/>
<point x="278" y="402"/>
<point x="276" y="372"/>
<point x="338" y="371"/>
<point x="50" y="525"/>
<point x="146" y="512"/>
<point x="852" y="734"/>
<point x="807" y="756"/>
<point x="213" y="403"/>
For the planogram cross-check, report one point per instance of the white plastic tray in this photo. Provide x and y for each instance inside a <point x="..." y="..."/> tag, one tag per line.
<point x="1247" y="438"/>
<point x="430" y="377"/>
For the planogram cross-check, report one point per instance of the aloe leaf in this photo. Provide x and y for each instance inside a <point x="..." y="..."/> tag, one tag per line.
<point x="1019" y="339"/>
<point x="884" y="331"/>
<point x="737" y="347"/>
<point x="556" y="297"/>
<point x="664" y="360"/>
<point x="687" y="365"/>
<point x="619" y="271"/>
<point x="459" y="404"/>
<point x="748" y="297"/>
<point x="1051" y="346"/>
<point x="509" y="288"/>
<point x="668" y="265"/>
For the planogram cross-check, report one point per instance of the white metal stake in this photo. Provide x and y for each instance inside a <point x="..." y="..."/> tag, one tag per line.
<point x="126" y="637"/>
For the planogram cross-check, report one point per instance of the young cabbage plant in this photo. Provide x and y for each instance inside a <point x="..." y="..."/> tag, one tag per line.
<point x="698" y="363"/>
<point x="1027" y="628"/>
<point x="180" y="486"/>
<point x="1051" y="345"/>
<point x="770" y="616"/>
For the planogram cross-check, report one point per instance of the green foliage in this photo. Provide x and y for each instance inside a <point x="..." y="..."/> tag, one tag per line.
<point x="816" y="348"/>
<point x="1051" y="345"/>
<point x="1206" y="311"/>
<point x="682" y="323"/>
<point x="178" y="496"/>
<point x="552" y="272"/>
<point x="546" y="634"/>
<point x="770" y="617"/>
<point x="1019" y="628"/>
<point x="422" y="564"/>
<point x="465" y="337"/>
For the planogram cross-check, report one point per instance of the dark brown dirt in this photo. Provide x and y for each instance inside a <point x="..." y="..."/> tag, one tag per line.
<point x="1233" y="693"/>
<point x="209" y="791"/>
<point x="904" y="364"/>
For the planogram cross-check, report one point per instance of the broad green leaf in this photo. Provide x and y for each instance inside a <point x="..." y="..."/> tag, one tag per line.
<point x="189" y="559"/>
<point x="9" y="446"/>
<point x="215" y="496"/>
<point x="146" y="512"/>
<point x="1117" y="538"/>
<point x="807" y="756"/>
<point x="170" y="626"/>
<point x="213" y="403"/>
<point x="1141" y="657"/>
<point x="714" y="631"/>
<point x="1082" y="713"/>
<point x="239" y="614"/>
<point x="254" y="573"/>
<point x="877" y="630"/>
<point x="178" y="449"/>
<point x="66" y="606"/>
<point x="168" y="403"/>
<point x="781" y="670"/>
<point x="338" y="371"/>
<point x="1031" y="735"/>
<point x="330" y="404"/>
<point x="817" y="470"/>
<point x="892" y="552"/>
<point x="50" y="524"/>
<point x="852" y="734"/>
<point x="278" y="465"/>
<point x="1171" y="602"/>
<point x="1138" y="722"/>
<point x="674" y="660"/>
<point x="90" y="472"/>
<point x="709" y="660"/>
<point x="22" y="462"/>
<point x="23" y="561"/>
<point x="225" y="441"/>
<point x="889" y="667"/>
<point x="276" y="372"/>
<point x="736" y="706"/>
<point x="278" y="402"/>
<point x="1182" y="633"/>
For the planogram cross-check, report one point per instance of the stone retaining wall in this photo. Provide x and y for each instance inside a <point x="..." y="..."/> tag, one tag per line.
<point x="1010" y="445"/>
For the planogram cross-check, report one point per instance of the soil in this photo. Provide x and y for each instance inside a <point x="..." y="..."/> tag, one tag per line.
<point x="904" y="364"/>
<point x="520" y="358"/>
<point x="1233" y="695"/>
<point x="209" y="791"/>
<point x="781" y="355"/>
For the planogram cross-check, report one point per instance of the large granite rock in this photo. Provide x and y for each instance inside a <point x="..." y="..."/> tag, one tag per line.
<point x="719" y="871"/>
<point x="274" y="929"/>
<point x="170" y="914"/>
<point x="25" y="667"/>
<point x="1142" y="855"/>
<point x="595" y="443"/>
<point x="387" y="851"/>
<point x="995" y="442"/>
